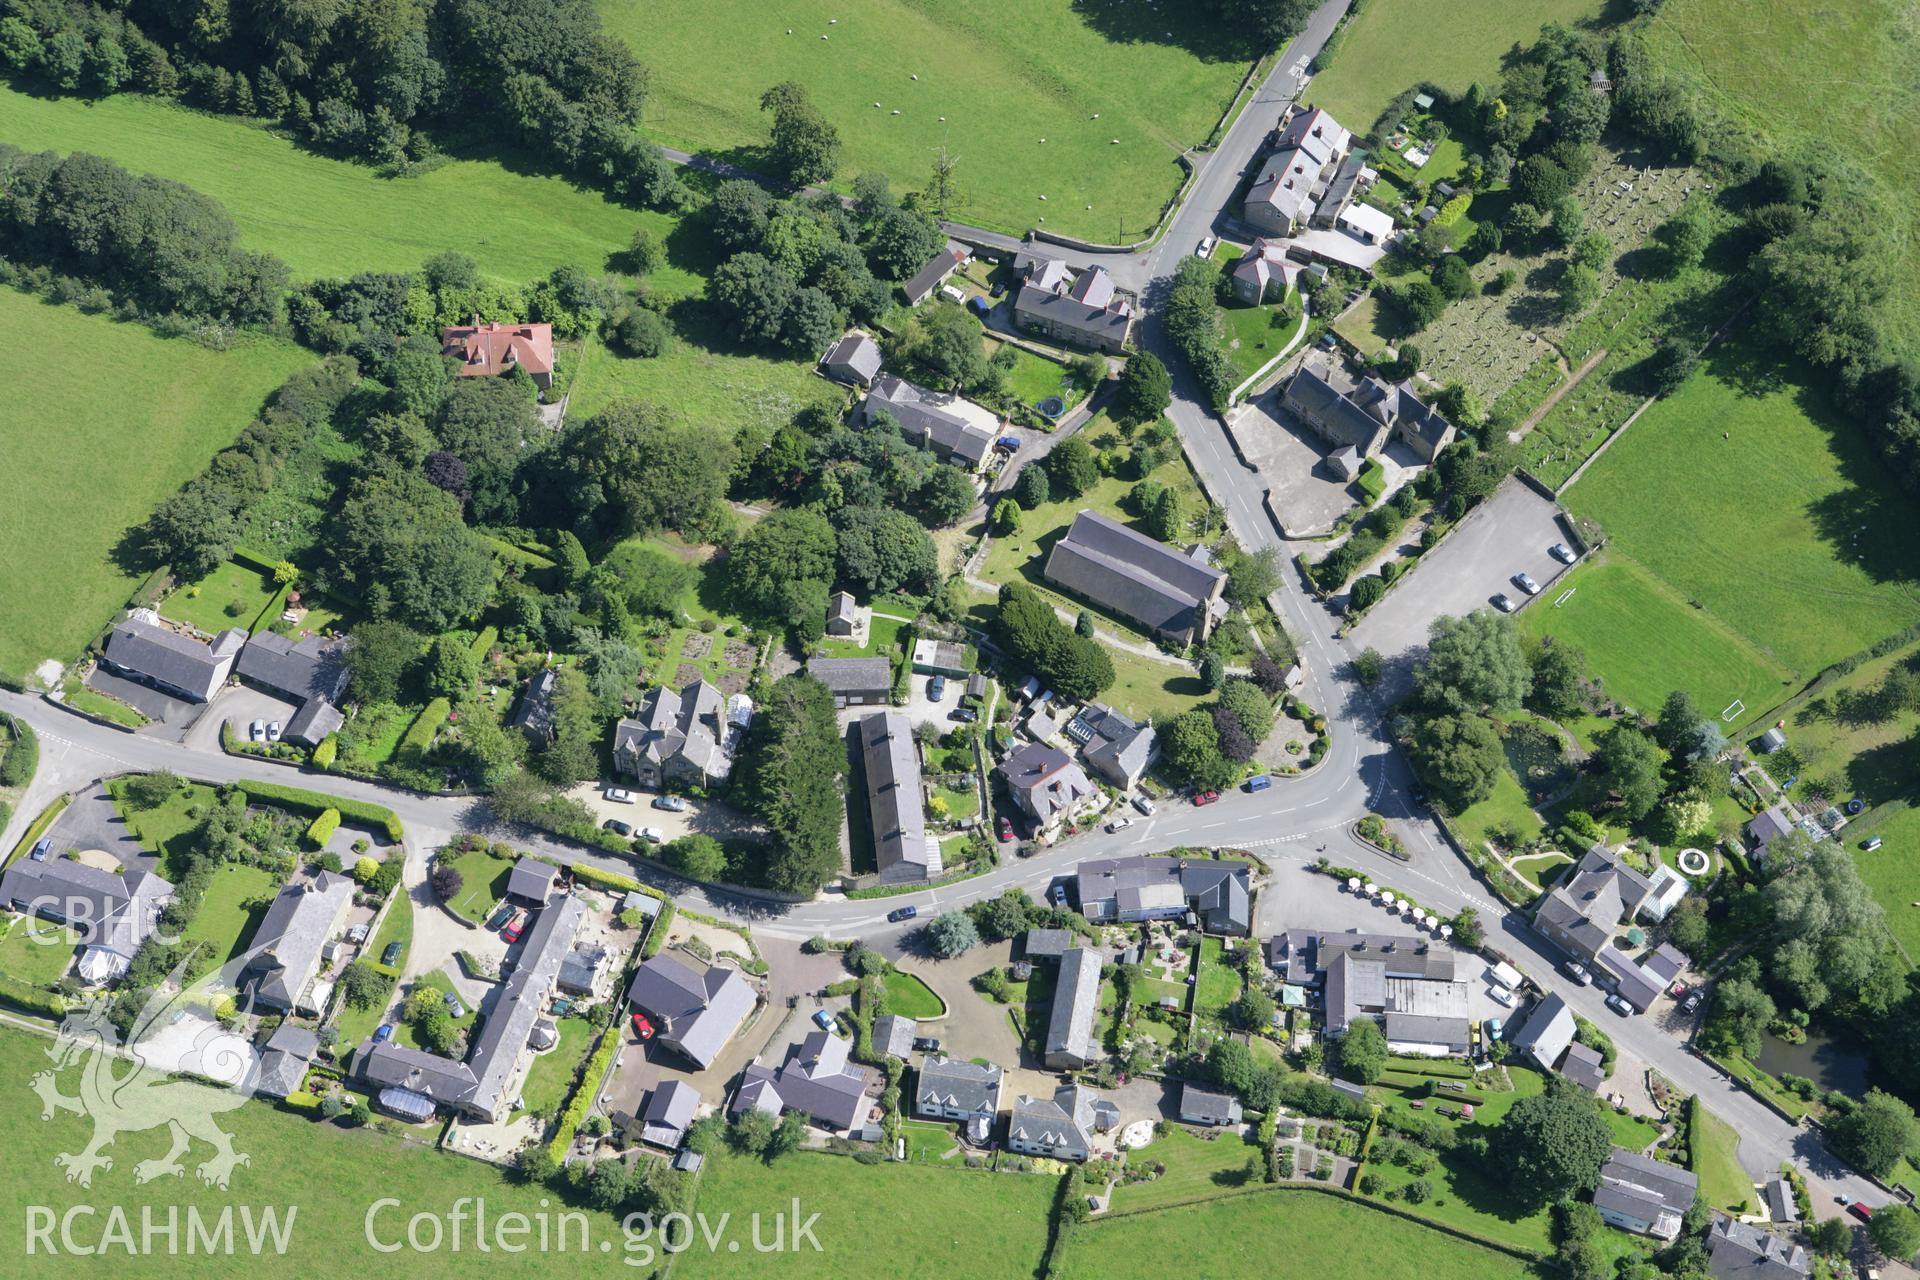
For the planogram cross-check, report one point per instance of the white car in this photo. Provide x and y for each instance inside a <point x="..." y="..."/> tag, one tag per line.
<point x="257" y="731"/>
<point x="1503" y="602"/>
<point x="1144" y="805"/>
<point x="273" y="731"/>
<point x="1526" y="583"/>
<point x="1205" y="249"/>
<point x="652" y="835"/>
<point x="619" y="795"/>
<point x="1503" y="996"/>
<point x="1119" y="824"/>
<point x="1562" y="552"/>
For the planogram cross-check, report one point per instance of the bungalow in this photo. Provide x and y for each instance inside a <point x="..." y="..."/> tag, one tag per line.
<point x="1061" y="1127"/>
<point x="1089" y="312"/>
<point x="1173" y="594"/>
<point x="487" y="350"/>
<point x="285" y="955"/>
<point x="1201" y="1106"/>
<point x="953" y="429"/>
<point x="283" y="1066"/>
<point x="115" y="913"/>
<point x="311" y="671"/>
<point x="533" y="713"/>
<point x="935" y="272"/>
<point x="679" y="738"/>
<point x="142" y="650"/>
<point x="894" y="1035"/>
<point x="854" y="360"/>
<point x="816" y="1080"/>
<point x="1130" y="890"/>
<point x="694" y="1012"/>
<point x="903" y="851"/>
<point x="1364" y="413"/>
<point x="963" y="1091"/>
<point x="1644" y="1196"/>
<point x="1741" y="1251"/>
<point x="854" y="682"/>
<point x="1070" y="1043"/>
<point x="669" y="1114"/>
<point x="1046" y="784"/>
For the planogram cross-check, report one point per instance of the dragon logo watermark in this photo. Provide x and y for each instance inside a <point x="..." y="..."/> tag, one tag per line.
<point x="132" y="1087"/>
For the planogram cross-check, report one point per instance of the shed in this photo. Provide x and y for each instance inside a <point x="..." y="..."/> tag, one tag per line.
<point x="531" y="880"/>
<point x="1771" y="741"/>
<point x="645" y="903"/>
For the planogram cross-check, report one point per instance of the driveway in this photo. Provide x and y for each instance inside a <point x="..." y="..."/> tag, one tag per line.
<point x="922" y="709"/>
<point x="240" y="706"/>
<point x="1304" y="494"/>
<point x="170" y="716"/>
<point x="707" y="817"/>
<point x="92" y="822"/>
<point x="1507" y="534"/>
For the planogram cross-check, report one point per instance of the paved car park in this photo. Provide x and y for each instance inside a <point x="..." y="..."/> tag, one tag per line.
<point x="1305" y="495"/>
<point x="1507" y="534"/>
<point x="239" y="706"/>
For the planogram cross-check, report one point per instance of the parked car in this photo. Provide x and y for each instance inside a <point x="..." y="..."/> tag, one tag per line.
<point x="1562" y="552"/>
<point x="1144" y="805"/>
<point x="642" y="1026"/>
<point x="926" y="1044"/>
<point x="1502" y="996"/>
<point x="391" y="956"/>
<point x="1870" y="844"/>
<point x="1205" y="248"/>
<point x="273" y="731"/>
<point x="41" y="848"/>
<point x="1494" y="1026"/>
<point x="1119" y="824"/>
<point x="936" y="687"/>
<point x="1503" y="602"/>
<point x="1618" y="1003"/>
<point x="822" y="1019"/>
<point x="965" y="715"/>
<point x="619" y="795"/>
<point x="500" y="916"/>
<point x="514" y="927"/>
<point x="257" y="731"/>
<point x="383" y="1033"/>
<point x="1007" y="444"/>
<point x="1203" y="798"/>
<point x="1058" y="896"/>
<point x="1258" y="782"/>
<point x="1578" y="972"/>
<point x="618" y="827"/>
<point x="1526" y="583"/>
<point x="1861" y="1210"/>
<point x="454" y="1007"/>
<point x="1005" y="828"/>
<point x="652" y="835"/>
<point x="672" y="804"/>
<point x="898" y="914"/>
<point x="1692" y="1002"/>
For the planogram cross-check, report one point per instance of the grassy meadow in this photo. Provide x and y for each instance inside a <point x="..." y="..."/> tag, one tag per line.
<point x="116" y="420"/>
<point x="1028" y="96"/>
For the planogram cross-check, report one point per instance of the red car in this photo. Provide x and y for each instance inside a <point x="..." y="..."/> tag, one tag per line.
<point x="512" y="932"/>
<point x="1205" y="797"/>
<point x="1006" y="829"/>
<point x="642" y="1027"/>
<point x="1860" y="1210"/>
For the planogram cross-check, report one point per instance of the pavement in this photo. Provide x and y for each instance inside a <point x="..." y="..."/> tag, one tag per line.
<point x="1287" y="827"/>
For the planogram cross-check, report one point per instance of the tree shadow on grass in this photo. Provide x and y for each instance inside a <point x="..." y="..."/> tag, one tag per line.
<point x="1886" y="772"/>
<point x="1143" y="22"/>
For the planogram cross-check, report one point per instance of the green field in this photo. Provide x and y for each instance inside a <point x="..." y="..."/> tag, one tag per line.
<point x="1316" y="1234"/>
<point x="1776" y="69"/>
<point x="327" y="217"/>
<point x="1644" y="641"/>
<point x="989" y="1226"/>
<point x="995" y="78"/>
<point x="1396" y="44"/>
<point x="117" y="419"/>
<point x="1196" y="1168"/>
<point x="1756" y="500"/>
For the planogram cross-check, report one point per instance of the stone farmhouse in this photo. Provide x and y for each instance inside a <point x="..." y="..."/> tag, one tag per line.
<point x="1364" y="413"/>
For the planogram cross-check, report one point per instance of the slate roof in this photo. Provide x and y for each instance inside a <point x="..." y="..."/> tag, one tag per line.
<point x="287" y="944"/>
<point x="1645" y="1188"/>
<point x="1738" y="1251"/>
<point x="893" y="1035"/>
<point x="668" y="1113"/>
<point x="1057" y="310"/>
<point x="818" y="1079"/>
<point x="1770" y="824"/>
<point x="688" y="726"/>
<point x="935" y="272"/>
<point x="1118" y="749"/>
<point x="1666" y="963"/>
<point x="1216" y="890"/>
<point x="284" y="1064"/>
<point x="1076" y="997"/>
<point x="694" y="1012"/>
<point x="1361" y="411"/>
<point x="923" y="421"/>
<point x="508" y="1026"/>
<point x="1781" y="1205"/>
<point x="531" y="879"/>
<point x="115" y="913"/>
<point x="391" y="1065"/>
<point x="1314" y="131"/>
<point x="842" y="607"/>
<point x="316" y="719"/>
<point x="872" y="676"/>
<point x="311" y="668"/>
<point x="1284" y="186"/>
<point x="957" y="1086"/>
<point x="1206" y="1107"/>
<point x="1587" y="904"/>
<point x="142" y="647"/>
<point x="580" y="967"/>
<point x="1548" y="1030"/>
<point x="1049" y="944"/>
<point x="855" y="358"/>
<point x="894" y="800"/>
<point x="1264" y="260"/>
<point x="1133" y="575"/>
<point x="1640" y="987"/>
<point x="1044" y="781"/>
<point x="533" y="714"/>
<point x="1584" y="1066"/>
<point x="1063" y="1122"/>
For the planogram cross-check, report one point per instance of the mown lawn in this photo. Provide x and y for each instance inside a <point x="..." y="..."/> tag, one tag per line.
<point x="1764" y="508"/>
<point x="117" y="420"/>
<point x="1255" y="335"/>
<point x="552" y="1072"/>
<point x="1217" y="986"/>
<point x="990" y="1226"/>
<point x="1723" y="1183"/>
<point x="36" y="951"/>
<point x="910" y="997"/>
<point x="1196" y="1168"/>
<point x="1035" y="378"/>
<point x="1644" y="641"/>
<point x="327" y="217"/>
<point x="333" y="1175"/>
<point x="1396" y="44"/>
<point x="1464" y="1196"/>
<point x="1315" y="1233"/>
<point x="483" y="882"/>
<point x="225" y="921"/>
<point x="233" y="595"/>
<point x="1028" y="96"/>
<point x="157" y="828"/>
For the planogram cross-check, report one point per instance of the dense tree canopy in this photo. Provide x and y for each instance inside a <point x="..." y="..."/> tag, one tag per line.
<point x="639" y="467"/>
<point x="1473" y="662"/>
<point x="1550" y="1146"/>
<point x="403" y="546"/>
<point x="791" y="776"/>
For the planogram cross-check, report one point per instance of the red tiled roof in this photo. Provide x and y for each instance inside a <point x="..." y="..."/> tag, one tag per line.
<point x="488" y="349"/>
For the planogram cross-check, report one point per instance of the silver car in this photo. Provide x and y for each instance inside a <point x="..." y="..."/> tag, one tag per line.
<point x="1503" y="602"/>
<point x="1562" y="552"/>
<point x="1526" y="583"/>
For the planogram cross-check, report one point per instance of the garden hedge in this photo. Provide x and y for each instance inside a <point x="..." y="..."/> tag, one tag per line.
<point x="31" y="999"/>
<point x="323" y="827"/>
<point x="583" y="1091"/>
<point x="362" y="812"/>
<point x="325" y="754"/>
<point x="23" y="755"/>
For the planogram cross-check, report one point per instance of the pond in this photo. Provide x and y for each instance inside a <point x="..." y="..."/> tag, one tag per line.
<point x="1829" y="1063"/>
